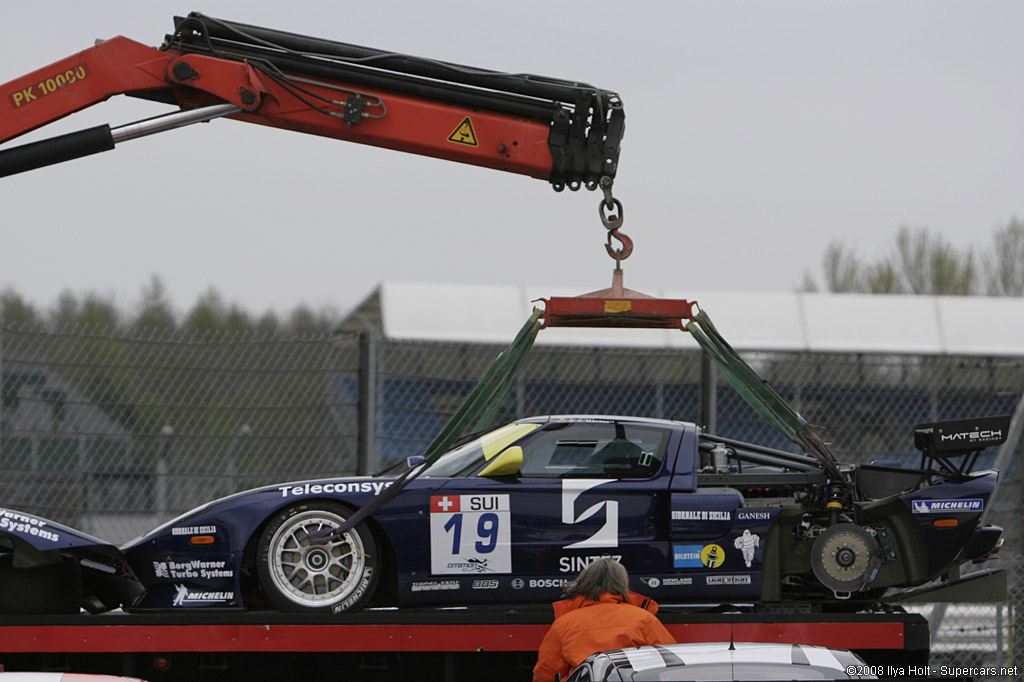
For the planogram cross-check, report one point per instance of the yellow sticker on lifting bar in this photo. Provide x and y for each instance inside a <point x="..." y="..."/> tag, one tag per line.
<point x="618" y="306"/>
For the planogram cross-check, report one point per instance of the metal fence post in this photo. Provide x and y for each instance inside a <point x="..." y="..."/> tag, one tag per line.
<point x="367" y="400"/>
<point x="708" y="393"/>
<point x="231" y="463"/>
<point x="163" y="472"/>
<point x="1" y="393"/>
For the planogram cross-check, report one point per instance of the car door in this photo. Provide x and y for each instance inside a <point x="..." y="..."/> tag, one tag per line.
<point x="584" y="489"/>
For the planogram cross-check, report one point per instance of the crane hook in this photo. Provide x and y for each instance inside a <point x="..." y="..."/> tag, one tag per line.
<point x="623" y="251"/>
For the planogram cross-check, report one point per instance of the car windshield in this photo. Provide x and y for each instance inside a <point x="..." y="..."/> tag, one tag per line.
<point x="478" y="450"/>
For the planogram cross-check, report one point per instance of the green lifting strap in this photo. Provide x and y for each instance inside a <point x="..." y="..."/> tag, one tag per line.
<point x="475" y="411"/>
<point x="757" y="393"/>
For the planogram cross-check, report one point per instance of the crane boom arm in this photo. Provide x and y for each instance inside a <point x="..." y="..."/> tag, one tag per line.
<point x="563" y="132"/>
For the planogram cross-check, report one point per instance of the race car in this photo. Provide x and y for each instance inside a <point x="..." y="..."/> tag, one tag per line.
<point x="512" y="514"/>
<point x="49" y="568"/>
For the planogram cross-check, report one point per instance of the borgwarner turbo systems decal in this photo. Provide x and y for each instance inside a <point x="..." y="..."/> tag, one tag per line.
<point x="22" y="524"/>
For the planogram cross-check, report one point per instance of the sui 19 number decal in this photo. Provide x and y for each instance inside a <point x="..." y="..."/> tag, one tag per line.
<point x="470" y="534"/>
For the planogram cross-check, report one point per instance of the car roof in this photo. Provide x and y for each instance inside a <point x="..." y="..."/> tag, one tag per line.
<point x="750" y="653"/>
<point x="62" y="677"/>
<point x="653" y="421"/>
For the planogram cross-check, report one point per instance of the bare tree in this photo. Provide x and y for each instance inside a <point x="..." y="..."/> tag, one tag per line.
<point x="931" y="265"/>
<point x="15" y="310"/>
<point x="842" y="268"/>
<point x="883" y="278"/>
<point x="921" y="262"/>
<point x="1004" y="265"/>
<point x="155" y="310"/>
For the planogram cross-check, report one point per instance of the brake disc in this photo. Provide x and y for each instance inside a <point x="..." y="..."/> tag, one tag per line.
<point x="845" y="558"/>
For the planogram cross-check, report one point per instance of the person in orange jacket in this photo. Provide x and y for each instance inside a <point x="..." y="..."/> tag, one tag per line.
<point x="598" y="614"/>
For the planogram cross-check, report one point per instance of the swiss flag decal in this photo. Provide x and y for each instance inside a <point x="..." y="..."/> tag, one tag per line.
<point x="444" y="503"/>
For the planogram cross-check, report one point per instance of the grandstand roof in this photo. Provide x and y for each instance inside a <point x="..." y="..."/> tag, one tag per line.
<point x="751" y="321"/>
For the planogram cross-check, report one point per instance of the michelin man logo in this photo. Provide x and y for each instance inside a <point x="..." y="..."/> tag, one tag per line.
<point x="608" y="534"/>
<point x="747" y="544"/>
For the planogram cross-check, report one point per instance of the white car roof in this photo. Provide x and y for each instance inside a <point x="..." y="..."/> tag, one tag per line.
<point x="62" y="677"/>
<point x="750" y="653"/>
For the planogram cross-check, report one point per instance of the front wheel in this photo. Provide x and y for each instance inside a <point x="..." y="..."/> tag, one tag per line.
<point x="301" y="577"/>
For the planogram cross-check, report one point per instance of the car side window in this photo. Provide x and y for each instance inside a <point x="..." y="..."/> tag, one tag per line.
<point x="595" y="450"/>
<point x="581" y="674"/>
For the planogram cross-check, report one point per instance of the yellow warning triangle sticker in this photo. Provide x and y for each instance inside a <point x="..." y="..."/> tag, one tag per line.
<point x="464" y="134"/>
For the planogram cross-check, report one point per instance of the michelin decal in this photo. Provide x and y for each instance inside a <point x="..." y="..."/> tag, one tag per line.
<point x="947" y="506"/>
<point x="747" y="543"/>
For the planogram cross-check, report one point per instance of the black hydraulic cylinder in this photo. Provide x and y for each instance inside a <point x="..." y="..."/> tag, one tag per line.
<point x="246" y="34"/>
<point x="55" y="150"/>
<point x="417" y="87"/>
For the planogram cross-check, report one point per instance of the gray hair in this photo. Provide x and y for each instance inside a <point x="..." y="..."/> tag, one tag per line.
<point x="603" y="575"/>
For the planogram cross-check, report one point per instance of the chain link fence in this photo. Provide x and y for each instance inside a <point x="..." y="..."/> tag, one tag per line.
<point x="114" y="433"/>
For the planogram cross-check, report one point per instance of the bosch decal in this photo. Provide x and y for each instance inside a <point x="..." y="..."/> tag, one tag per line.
<point x="548" y="582"/>
<point x="946" y="506"/>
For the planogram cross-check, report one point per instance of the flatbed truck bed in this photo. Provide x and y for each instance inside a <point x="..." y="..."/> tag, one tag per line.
<point x="421" y="644"/>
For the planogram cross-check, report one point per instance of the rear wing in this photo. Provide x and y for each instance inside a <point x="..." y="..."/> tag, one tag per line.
<point x="941" y="443"/>
<point x="961" y="436"/>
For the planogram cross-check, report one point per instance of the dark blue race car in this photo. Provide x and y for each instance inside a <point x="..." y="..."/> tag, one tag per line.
<point x="511" y="515"/>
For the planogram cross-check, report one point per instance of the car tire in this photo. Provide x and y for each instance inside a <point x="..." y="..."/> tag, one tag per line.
<point x="301" y="578"/>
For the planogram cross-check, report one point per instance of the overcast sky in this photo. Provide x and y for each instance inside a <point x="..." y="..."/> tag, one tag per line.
<point x="756" y="133"/>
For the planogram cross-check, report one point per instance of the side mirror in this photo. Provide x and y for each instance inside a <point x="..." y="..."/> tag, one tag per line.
<point x="415" y="460"/>
<point x="505" y="464"/>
